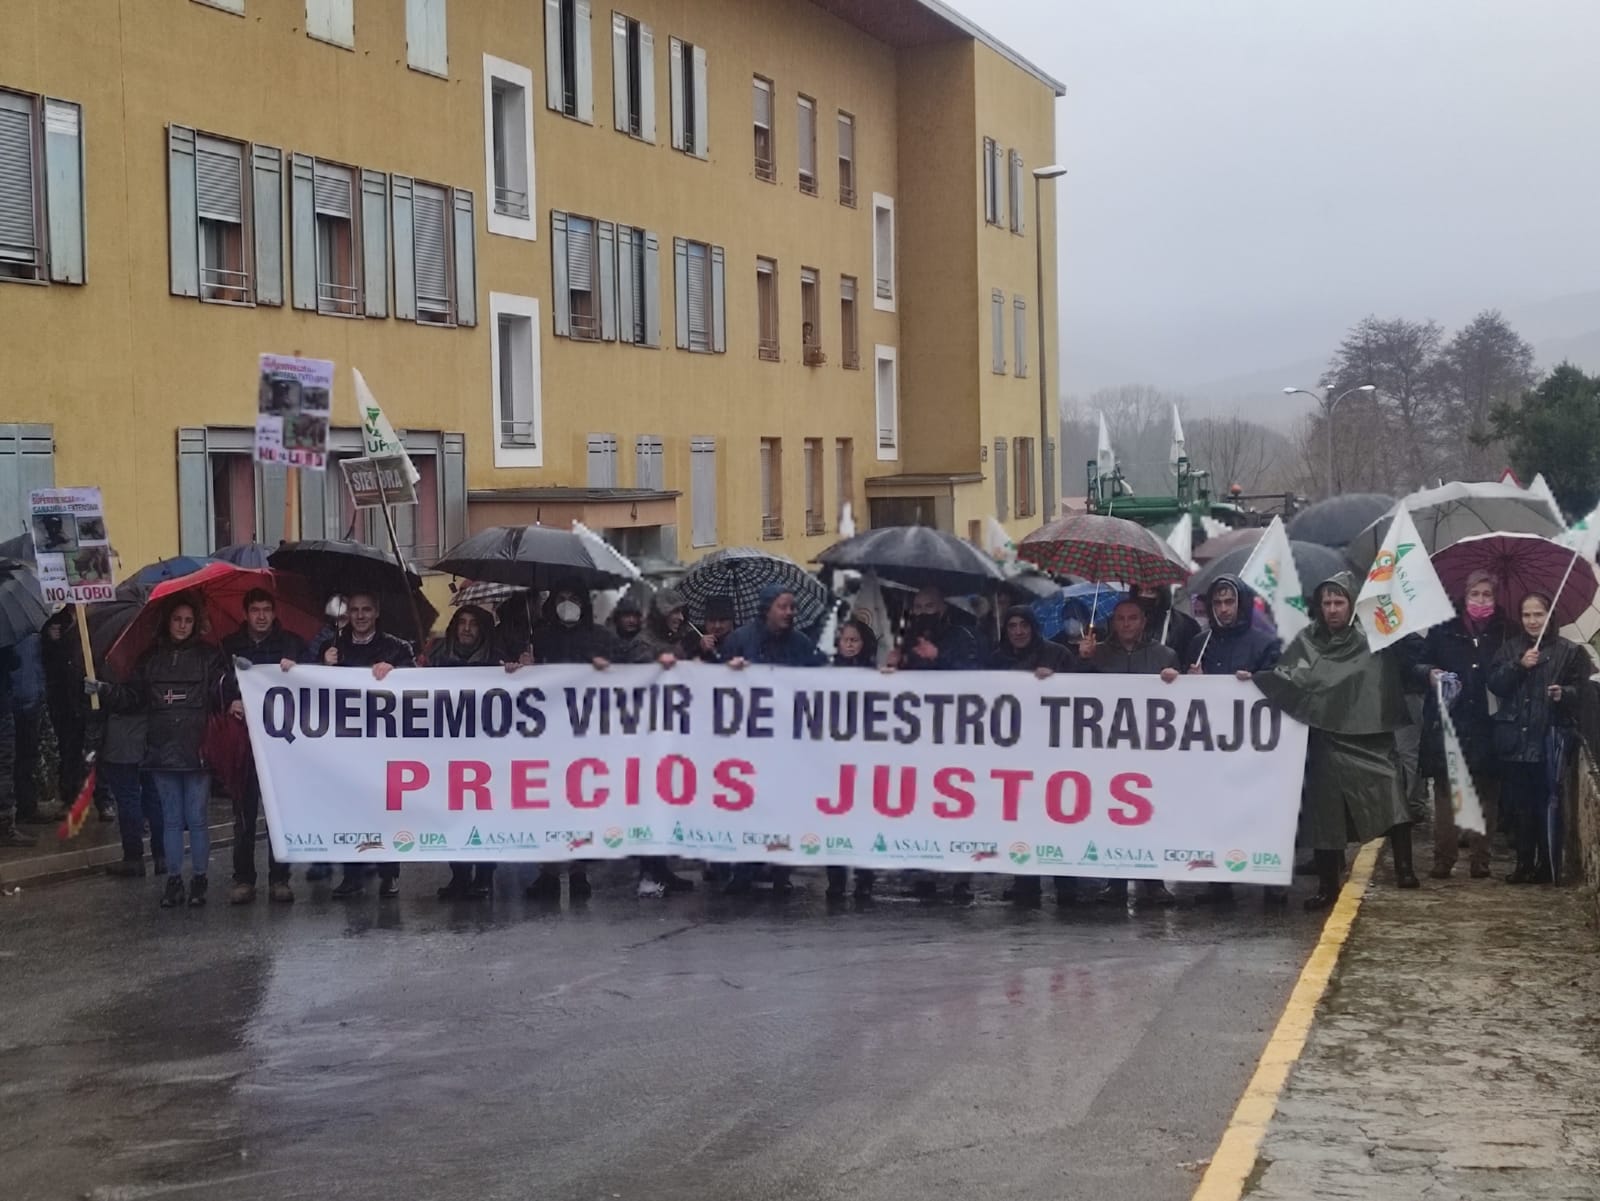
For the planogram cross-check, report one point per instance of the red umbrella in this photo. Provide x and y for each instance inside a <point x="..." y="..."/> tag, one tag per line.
<point x="1103" y="548"/>
<point x="219" y="589"/>
<point x="1522" y="563"/>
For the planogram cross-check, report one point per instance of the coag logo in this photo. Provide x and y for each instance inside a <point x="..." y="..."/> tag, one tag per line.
<point x="1020" y="853"/>
<point x="979" y="851"/>
<point x="612" y="837"/>
<point x="404" y="841"/>
<point x="1388" y="616"/>
<point x="1236" y="861"/>
<point x="776" y="842"/>
<point x="575" y="839"/>
<point x="433" y="842"/>
<point x="811" y="844"/>
<point x="1195" y="859"/>
<point x="474" y="839"/>
<point x="360" y="841"/>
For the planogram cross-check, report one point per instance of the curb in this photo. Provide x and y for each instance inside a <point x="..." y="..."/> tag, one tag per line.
<point x="68" y="865"/>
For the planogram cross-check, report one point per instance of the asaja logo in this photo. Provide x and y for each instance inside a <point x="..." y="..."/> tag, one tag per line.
<point x="811" y="844"/>
<point x="613" y="837"/>
<point x="1236" y="861"/>
<point x="879" y="845"/>
<point x="404" y="841"/>
<point x="1020" y="853"/>
<point x="474" y="839"/>
<point x="1091" y="854"/>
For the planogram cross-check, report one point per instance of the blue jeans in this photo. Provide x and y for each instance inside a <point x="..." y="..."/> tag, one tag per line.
<point x="137" y="803"/>
<point x="185" y="796"/>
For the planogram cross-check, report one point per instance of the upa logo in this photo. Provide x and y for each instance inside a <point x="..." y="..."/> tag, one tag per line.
<point x="1020" y="853"/>
<point x="641" y="834"/>
<point x="404" y="841"/>
<point x="1049" y="853"/>
<point x="612" y="837"/>
<point x="1266" y="861"/>
<point x="433" y="842"/>
<point x="838" y="842"/>
<point x="1236" y="861"/>
<point x="811" y="844"/>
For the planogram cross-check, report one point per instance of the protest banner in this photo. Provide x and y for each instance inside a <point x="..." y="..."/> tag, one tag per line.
<point x="1402" y="594"/>
<point x="70" y="546"/>
<point x="294" y="407"/>
<point x="378" y="481"/>
<point x="1106" y="775"/>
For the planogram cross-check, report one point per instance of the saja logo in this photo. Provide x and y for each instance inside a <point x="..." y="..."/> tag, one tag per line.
<point x="307" y="842"/>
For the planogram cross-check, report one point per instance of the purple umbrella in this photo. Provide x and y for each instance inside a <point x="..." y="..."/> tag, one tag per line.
<point x="1523" y="563"/>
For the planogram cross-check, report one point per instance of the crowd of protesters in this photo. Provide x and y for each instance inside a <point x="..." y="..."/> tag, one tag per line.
<point x="163" y="738"/>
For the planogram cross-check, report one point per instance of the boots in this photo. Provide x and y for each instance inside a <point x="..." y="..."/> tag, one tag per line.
<point x="173" y="896"/>
<point x="197" y="891"/>
<point x="11" y="836"/>
<point x="1328" y="864"/>
<point x="1405" y="875"/>
<point x="460" y="883"/>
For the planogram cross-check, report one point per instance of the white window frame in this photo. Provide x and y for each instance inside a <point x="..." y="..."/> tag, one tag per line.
<point x="881" y="355"/>
<point x="332" y="22"/>
<point x="883" y="304"/>
<point x="508" y="224"/>
<point x="850" y="346"/>
<point x="329" y="302"/>
<point x="525" y="307"/>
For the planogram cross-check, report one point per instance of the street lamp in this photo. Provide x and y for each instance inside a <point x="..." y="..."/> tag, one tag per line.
<point x="1047" y="462"/>
<point x="1328" y="406"/>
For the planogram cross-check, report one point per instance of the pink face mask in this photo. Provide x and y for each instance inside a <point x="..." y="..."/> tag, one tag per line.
<point x="1480" y="610"/>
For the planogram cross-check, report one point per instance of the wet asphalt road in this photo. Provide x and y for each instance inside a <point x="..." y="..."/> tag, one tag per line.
<point x="699" y="1047"/>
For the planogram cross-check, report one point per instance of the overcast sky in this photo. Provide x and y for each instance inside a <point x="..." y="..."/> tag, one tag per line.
<point x="1249" y="177"/>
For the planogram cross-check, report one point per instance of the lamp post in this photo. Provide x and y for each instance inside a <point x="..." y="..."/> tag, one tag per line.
<point x="1047" y="461"/>
<point x="1328" y="406"/>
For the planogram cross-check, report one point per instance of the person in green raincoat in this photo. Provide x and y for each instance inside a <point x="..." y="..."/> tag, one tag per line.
<point x="1353" y="700"/>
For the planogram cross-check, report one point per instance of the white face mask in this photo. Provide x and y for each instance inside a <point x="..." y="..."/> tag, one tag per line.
<point x="569" y="612"/>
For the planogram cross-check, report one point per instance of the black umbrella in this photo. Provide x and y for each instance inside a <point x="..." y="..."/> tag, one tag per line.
<point x="245" y="554"/>
<point x="917" y="556"/>
<point x="22" y="609"/>
<point x="108" y="620"/>
<point x="537" y="556"/>
<point x="741" y="572"/>
<point x="1312" y="563"/>
<point x="1337" y="520"/>
<point x="19" y="548"/>
<point x="338" y="567"/>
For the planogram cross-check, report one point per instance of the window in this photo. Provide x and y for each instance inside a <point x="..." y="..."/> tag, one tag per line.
<point x="225" y="219"/>
<point x="602" y="472"/>
<point x="27" y="462"/>
<point x="991" y="181"/>
<point x="849" y="333"/>
<point x="638" y="287"/>
<point x="508" y="149"/>
<point x="427" y="48"/>
<point x="517" y="410"/>
<point x="332" y="21"/>
<point x="766" y="160"/>
<point x="633" y="77"/>
<point x="1019" y="320"/>
<point x="806" y="137"/>
<point x="997" y="331"/>
<point x="689" y="114"/>
<point x="771" y="488"/>
<point x="883" y="252"/>
<point x="703" y="491"/>
<point x="767" y="310"/>
<point x="887" y="395"/>
<point x="337" y="225"/>
<point x="844" y="475"/>
<point x="701" y="297"/>
<point x="1018" y="196"/>
<point x="847" y="160"/>
<point x="435" y="250"/>
<point x="577" y="276"/>
<point x="220" y="209"/>
<point x="649" y="462"/>
<point x="811" y="318"/>
<point x="41" y="189"/>
<point x="1023" y="448"/>
<point x="816" y="522"/>
<point x="569" y="58"/>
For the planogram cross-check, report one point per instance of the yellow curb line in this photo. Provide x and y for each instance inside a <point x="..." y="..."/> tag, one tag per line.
<point x="1236" y="1154"/>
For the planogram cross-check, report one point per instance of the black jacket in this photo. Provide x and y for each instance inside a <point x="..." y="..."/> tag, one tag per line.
<point x="277" y="646"/>
<point x="957" y="645"/>
<point x="1526" y="711"/>
<point x="554" y="642"/>
<point x="1146" y="659"/>
<point x="754" y="643"/>
<point x="1038" y="653"/>
<point x="384" y="648"/>
<point x="177" y="688"/>
<point x="1449" y="647"/>
<point x="1237" y="647"/>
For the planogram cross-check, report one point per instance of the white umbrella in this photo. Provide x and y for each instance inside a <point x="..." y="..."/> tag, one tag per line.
<point x="1451" y="512"/>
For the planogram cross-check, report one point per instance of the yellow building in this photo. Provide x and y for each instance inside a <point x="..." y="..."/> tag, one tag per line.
<point x="698" y="272"/>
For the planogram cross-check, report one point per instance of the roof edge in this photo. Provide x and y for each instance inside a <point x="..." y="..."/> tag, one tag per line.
<point x="978" y="34"/>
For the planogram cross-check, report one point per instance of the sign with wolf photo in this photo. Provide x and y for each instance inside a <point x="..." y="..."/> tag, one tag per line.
<point x="378" y="481"/>
<point x="294" y="406"/>
<point x="70" y="546"/>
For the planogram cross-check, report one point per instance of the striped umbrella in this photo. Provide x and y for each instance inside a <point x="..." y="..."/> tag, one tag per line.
<point x="485" y="592"/>
<point x="741" y="572"/>
<point x="1103" y="549"/>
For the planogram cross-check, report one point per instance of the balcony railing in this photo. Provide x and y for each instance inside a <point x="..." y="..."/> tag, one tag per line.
<point x="767" y="349"/>
<point x="510" y="202"/>
<point x="771" y="528"/>
<point x="814" y="356"/>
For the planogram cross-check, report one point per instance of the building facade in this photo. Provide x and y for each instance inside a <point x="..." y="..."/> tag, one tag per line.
<point x="697" y="272"/>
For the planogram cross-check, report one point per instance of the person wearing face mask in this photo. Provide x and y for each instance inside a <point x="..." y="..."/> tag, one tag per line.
<point x="1464" y="647"/>
<point x="468" y="642"/>
<point x="1164" y="623"/>
<point x="933" y="639"/>
<point x="1538" y="682"/>
<point x="1353" y="700"/>
<point x="855" y="645"/>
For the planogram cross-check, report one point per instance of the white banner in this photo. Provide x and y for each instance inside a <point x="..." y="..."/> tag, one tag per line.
<point x="1080" y="775"/>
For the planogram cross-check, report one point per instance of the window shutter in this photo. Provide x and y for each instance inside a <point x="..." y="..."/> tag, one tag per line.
<point x="719" y="306"/>
<point x="194" y="479"/>
<point x="1019" y="197"/>
<point x="627" y="250"/>
<point x="619" y="72"/>
<point x="583" y="57"/>
<point x="1020" y="319"/>
<point x="272" y="483"/>
<point x="19" y="234"/>
<point x="454" y="488"/>
<point x="375" y="243"/>
<point x="466" y="251"/>
<point x="426" y="46"/>
<point x="651" y="300"/>
<point x="602" y="461"/>
<point x="63" y="186"/>
<point x="997" y="330"/>
<point x="703" y="491"/>
<point x="680" y="255"/>
<point x="559" y="283"/>
<point x="806" y="119"/>
<point x="1047" y="479"/>
<point x="702" y="114"/>
<point x="675" y="75"/>
<point x="648" y="467"/>
<point x="405" y="264"/>
<point x="647" y="83"/>
<point x="552" y="55"/>
<point x="218" y="172"/>
<point x="314" y="506"/>
<point x="183" y="225"/>
<point x="429" y="215"/>
<point x="303" y="246"/>
<point x="1001" y="496"/>
<point x="608" y="281"/>
<point x="266" y="169"/>
<point x="699" y="294"/>
<point x="27" y="463"/>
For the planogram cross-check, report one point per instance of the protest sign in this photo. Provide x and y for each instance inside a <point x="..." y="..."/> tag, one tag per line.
<point x="293" y="409"/>
<point x="378" y="481"/>
<point x="70" y="546"/>
<point x="1402" y="594"/>
<point x="1106" y="775"/>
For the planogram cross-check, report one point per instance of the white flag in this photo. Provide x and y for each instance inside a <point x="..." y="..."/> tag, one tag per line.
<point x="1106" y="458"/>
<point x="1463" y="796"/>
<point x="1272" y="575"/>
<point x="1181" y="539"/>
<point x="1402" y="594"/>
<point x="999" y="544"/>
<point x="376" y="432"/>
<point x="1582" y="536"/>
<point x="871" y="610"/>
<point x="1541" y="488"/>
<point x="1179" y="450"/>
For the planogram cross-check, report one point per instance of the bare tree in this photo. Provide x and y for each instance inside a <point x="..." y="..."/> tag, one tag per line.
<point x="1235" y="450"/>
<point x="1485" y="365"/>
